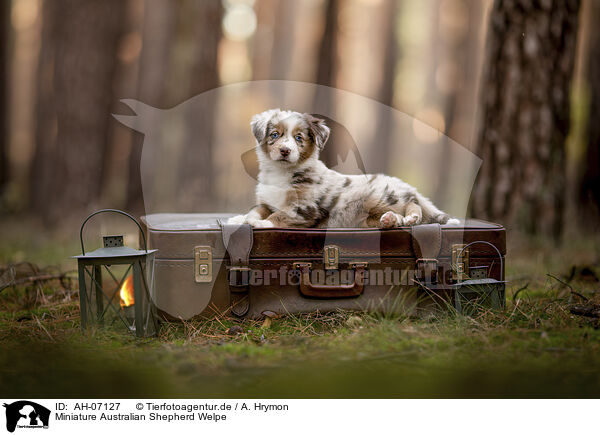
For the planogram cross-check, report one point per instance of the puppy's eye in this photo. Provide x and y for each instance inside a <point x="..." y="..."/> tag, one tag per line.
<point x="298" y="138"/>
<point x="274" y="135"/>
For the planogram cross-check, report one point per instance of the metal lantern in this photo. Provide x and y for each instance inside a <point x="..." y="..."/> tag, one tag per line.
<point x="478" y="289"/>
<point x="98" y="301"/>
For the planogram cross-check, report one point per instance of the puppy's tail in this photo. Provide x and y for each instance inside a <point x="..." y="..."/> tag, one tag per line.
<point x="433" y="215"/>
<point x="445" y="219"/>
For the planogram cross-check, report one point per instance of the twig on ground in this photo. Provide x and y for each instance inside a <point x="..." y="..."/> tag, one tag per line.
<point x="590" y="310"/>
<point x="37" y="279"/>
<point x="519" y="291"/>
<point x="220" y="323"/>
<point x="42" y="327"/>
<point x="512" y="313"/>
<point x="570" y="288"/>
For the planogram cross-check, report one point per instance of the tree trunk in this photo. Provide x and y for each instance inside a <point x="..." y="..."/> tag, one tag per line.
<point x="263" y="42"/>
<point x="462" y="103"/>
<point x="590" y="183"/>
<point x="157" y="35"/>
<point x="77" y="61"/>
<point x="283" y="41"/>
<point x="196" y="174"/>
<point x="529" y="66"/>
<point x="453" y="78"/>
<point x="4" y="64"/>
<point x="326" y="72"/>
<point x="385" y="94"/>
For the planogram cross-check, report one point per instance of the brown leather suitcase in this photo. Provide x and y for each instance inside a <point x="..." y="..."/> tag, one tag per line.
<point x="204" y="267"/>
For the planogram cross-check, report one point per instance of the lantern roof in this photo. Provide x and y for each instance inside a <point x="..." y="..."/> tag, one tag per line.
<point x="114" y="252"/>
<point x="113" y="248"/>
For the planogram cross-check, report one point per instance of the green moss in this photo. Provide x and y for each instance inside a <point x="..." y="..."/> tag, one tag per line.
<point x="535" y="348"/>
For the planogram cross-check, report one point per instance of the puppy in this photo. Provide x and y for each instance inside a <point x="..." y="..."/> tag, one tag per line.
<point x="296" y="189"/>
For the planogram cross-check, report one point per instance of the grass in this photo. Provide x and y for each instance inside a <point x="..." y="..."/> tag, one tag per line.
<point x="534" y="348"/>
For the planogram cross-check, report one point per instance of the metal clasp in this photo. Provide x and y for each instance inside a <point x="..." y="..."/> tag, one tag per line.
<point x="203" y="269"/>
<point x="331" y="257"/>
<point x="460" y="266"/>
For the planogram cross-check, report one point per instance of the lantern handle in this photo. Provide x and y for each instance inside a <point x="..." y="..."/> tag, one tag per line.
<point x="110" y="210"/>
<point x="460" y="254"/>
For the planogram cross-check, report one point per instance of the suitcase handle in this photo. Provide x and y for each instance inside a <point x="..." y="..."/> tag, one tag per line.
<point x="331" y="291"/>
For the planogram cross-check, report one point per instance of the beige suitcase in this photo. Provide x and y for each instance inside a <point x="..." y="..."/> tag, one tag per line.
<point x="204" y="267"/>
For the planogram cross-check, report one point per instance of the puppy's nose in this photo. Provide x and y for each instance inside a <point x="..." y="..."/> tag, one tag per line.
<point x="284" y="152"/>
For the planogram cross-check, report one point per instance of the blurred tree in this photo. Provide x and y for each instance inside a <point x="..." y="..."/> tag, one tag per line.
<point x="445" y="49"/>
<point x="4" y="62"/>
<point x="283" y="40"/>
<point x="590" y="183"/>
<point x="383" y="18"/>
<point x="529" y="66"/>
<point x="385" y="93"/>
<point x="196" y="161"/>
<point x="75" y="81"/>
<point x="263" y="42"/>
<point x="328" y="52"/>
<point x="326" y="73"/>
<point x="460" y="76"/>
<point x="452" y="80"/>
<point x="157" y="35"/>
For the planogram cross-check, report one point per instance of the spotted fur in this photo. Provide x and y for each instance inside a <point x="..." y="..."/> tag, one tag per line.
<point x="296" y="189"/>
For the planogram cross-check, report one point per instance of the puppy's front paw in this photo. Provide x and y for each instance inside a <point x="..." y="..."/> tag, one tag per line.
<point x="411" y="219"/>
<point x="453" y="222"/>
<point x="237" y="220"/>
<point x="262" y="223"/>
<point x="390" y="220"/>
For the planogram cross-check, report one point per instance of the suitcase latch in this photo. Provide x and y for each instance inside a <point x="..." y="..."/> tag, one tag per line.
<point x="203" y="264"/>
<point x="460" y="266"/>
<point x="331" y="257"/>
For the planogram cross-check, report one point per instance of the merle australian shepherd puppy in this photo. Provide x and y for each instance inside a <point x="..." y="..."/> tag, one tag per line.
<point x="296" y="189"/>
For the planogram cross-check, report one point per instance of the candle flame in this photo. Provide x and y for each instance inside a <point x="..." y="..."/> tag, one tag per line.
<point x="126" y="292"/>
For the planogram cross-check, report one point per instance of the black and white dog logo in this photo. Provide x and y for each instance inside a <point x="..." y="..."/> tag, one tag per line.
<point x="26" y="414"/>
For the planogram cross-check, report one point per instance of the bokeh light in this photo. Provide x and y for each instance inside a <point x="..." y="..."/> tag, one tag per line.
<point x="239" y="22"/>
<point x="24" y="13"/>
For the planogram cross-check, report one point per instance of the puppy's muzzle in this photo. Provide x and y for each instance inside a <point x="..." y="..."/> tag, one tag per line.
<point x="284" y="151"/>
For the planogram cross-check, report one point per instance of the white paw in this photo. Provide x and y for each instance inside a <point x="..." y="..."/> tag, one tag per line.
<point x="453" y="221"/>
<point x="411" y="219"/>
<point x="390" y="219"/>
<point x="262" y="223"/>
<point x="237" y="220"/>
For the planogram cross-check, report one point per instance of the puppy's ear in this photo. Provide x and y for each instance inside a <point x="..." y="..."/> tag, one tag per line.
<point x="319" y="130"/>
<point x="260" y="122"/>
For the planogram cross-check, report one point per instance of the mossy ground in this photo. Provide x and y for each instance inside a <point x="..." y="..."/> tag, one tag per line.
<point x="534" y="348"/>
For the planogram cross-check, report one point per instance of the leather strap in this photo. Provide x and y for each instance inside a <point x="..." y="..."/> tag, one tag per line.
<point x="427" y="243"/>
<point x="238" y="240"/>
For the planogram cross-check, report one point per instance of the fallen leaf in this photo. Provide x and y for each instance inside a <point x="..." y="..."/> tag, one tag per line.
<point x="235" y="330"/>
